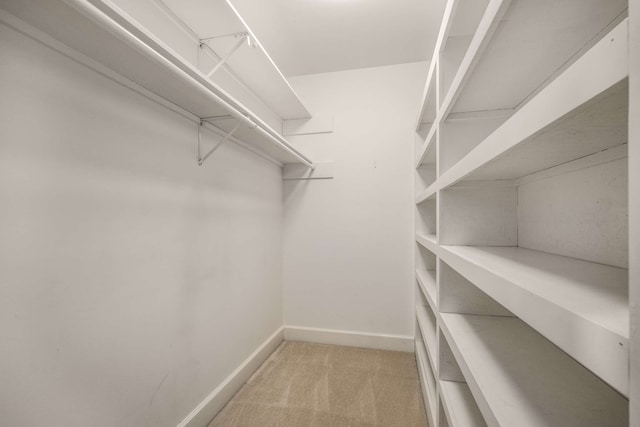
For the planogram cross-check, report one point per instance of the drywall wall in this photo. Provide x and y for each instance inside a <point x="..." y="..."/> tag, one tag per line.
<point x="581" y="214"/>
<point x="634" y="209"/>
<point x="348" y="242"/>
<point x="478" y="216"/>
<point x="132" y="281"/>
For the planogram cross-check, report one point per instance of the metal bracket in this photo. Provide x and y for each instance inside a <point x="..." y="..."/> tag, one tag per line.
<point x="201" y="158"/>
<point x="223" y="60"/>
<point x="217" y="118"/>
<point x="301" y="172"/>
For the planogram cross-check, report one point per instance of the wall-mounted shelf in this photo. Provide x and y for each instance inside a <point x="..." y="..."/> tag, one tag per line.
<point x="104" y="33"/>
<point x="519" y="378"/>
<point x="251" y="64"/>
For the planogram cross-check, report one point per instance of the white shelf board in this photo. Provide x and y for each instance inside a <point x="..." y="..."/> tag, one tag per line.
<point x="518" y="378"/>
<point x="580" y="306"/>
<point x="581" y="112"/>
<point x="428" y="328"/>
<point x="428" y="193"/>
<point x="428" y="151"/>
<point x="599" y="124"/>
<point x="486" y="27"/>
<point x="427" y="282"/>
<point x="104" y="33"/>
<point x="428" y="109"/>
<point x="451" y="57"/>
<point x="459" y="405"/>
<point x="426" y="113"/>
<point x="454" y="25"/>
<point x="523" y="46"/>
<point x="457" y="32"/>
<point x="428" y="241"/>
<point x="253" y="66"/>
<point x="279" y="151"/>
<point x="428" y="383"/>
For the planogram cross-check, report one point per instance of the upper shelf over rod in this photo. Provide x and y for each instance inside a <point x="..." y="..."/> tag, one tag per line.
<point x="103" y="32"/>
<point x="212" y="20"/>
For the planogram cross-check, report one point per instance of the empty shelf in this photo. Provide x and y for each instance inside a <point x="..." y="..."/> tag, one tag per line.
<point x="427" y="154"/>
<point x="520" y="46"/>
<point x="580" y="306"/>
<point x="520" y="379"/>
<point x="427" y="381"/>
<point x="599" y="124"/>
<point x="428" y="241"/>
<point x="582" y="112"/>
<point x="427" y="281"/>
<point x="427" y="324"/>
<point x="429" y="193"/>
<point x="459" y="405"/>
<point x="102" y="32"/>
<point x="459" y="32"/>
<point x="428" y="108"/>
<point x="253" y="66"/>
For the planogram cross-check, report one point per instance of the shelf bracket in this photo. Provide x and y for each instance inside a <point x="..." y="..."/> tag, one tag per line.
<point x="217" y="118"/>
<point x="223" y="60"/>
<point x="201" y="158"/>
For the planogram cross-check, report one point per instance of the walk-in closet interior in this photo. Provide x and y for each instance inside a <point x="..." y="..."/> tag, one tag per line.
<point x="320" y="213"/>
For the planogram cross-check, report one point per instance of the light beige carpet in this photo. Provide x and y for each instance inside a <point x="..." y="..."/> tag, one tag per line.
<point x="317" y="385"/>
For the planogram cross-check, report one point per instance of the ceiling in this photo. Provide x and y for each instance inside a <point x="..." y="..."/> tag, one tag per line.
<point x="317" y="36"/>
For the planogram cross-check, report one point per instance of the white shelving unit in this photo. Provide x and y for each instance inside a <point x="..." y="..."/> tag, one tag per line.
<point x="101" y="33"/>
<point x="526" y="214"/>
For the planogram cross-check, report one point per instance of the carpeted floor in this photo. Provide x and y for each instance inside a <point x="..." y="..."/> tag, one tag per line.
<point x="304" y="385"/>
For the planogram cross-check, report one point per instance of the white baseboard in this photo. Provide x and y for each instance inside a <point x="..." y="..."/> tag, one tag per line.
<point x="349" y="338"/>
<point x="212" y="404"/>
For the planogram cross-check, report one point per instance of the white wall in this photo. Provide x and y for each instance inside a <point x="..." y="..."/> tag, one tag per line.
<point x="348" y="242"/>
<point x="580" y="214"/>
<point x="132" y="282"/>
<point x="634" y="207"/>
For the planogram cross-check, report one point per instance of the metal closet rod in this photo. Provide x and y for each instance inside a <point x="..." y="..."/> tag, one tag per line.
<point x="125" y="31"/>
